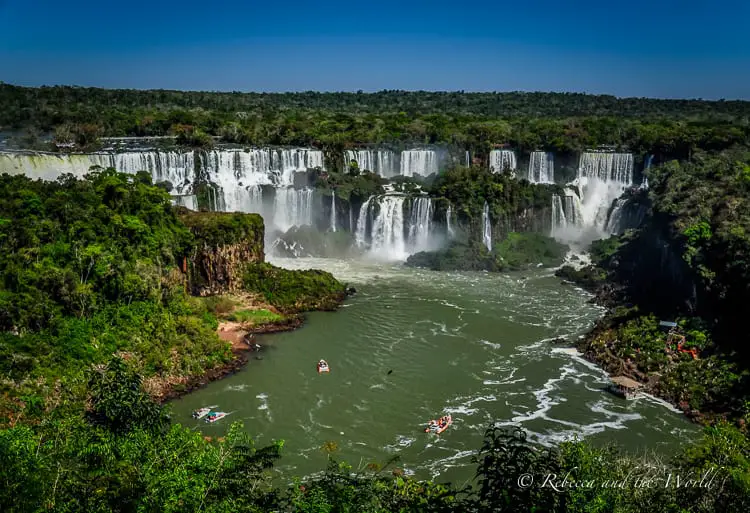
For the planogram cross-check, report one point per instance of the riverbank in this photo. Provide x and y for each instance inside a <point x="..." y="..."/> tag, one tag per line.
<point x="245" y="318"/>
<point x="630" y="342"/>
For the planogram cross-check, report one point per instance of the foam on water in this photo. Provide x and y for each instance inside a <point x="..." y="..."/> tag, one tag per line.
<point x="416" y="344"/>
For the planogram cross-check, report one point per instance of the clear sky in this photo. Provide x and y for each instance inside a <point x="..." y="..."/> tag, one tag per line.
<point x="657" y="48"/>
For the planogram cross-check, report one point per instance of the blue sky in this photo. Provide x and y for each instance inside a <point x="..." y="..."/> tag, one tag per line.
<point x="657" y="48"/>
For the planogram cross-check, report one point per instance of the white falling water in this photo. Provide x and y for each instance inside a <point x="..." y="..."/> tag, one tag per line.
<point x="567" y="215"/>
<point x="333" y="212"/>
<point x="420" y="223"/>
<point x="449" y="227"/>
<point x="602" y="178"/>
<point x="503" y="160"/>
<point x="292" y="207"/>
<point x="387" y="240"/>
<point x="188" y="201"/>
<point x="644" y="182"/>
<point x="381" y="162"/>
<point x="238" y="174"/>
<point x="487" y="227"/>
<point x="419" y="162"/>
<point x="360" y="234"/>
<point x="398" y="227"/>
<point x="541" y="167"/>
<point x="468" y="161"/>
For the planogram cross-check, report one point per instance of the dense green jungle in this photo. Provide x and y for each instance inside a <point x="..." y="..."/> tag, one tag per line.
<point x="110" y="299"/>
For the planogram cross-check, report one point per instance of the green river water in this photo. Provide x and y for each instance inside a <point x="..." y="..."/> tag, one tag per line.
<point x="475" y="345"/>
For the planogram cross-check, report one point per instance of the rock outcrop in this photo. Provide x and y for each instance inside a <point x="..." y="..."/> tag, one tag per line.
<point x="224" y="244"/>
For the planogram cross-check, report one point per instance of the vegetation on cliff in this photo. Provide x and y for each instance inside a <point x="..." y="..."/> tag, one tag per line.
<point x="294" y="291"/>
<point x="100" y="266"/>
<point x="517" y="251"/>
<point x="688" y="262"/>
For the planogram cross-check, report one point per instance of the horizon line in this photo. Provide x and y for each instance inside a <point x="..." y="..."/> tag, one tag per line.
<point x="363" y="92"/>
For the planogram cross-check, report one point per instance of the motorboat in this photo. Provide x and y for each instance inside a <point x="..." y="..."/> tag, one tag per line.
<point x="215" y="416"/>
<point x="323" y="367"/>
<point x="202" y="412"/>
<point x="438" y="426"/>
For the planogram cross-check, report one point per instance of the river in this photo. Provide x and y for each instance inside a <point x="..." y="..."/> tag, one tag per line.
<point x="412" y="345"/>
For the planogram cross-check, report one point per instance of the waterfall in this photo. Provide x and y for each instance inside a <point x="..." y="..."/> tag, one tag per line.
<point x="502" y="160"/>
<point x="292" y="207"/>
<point x="420" y="223"/>
<point x="602" y="178"/>
<point x="333" y="212"/>
<point x="188" y="201"/>
<point x="381" y="162"/>
<point x="647" y="166"/>
<point x="360" y="235"/>
<point x="567" y="215"/>
<point x="468" y="161"/>
<point x="487" y="227"/>
<point x="234" y="176"/>
<point x="418" y="162"/>
<point x="449" y="228"/>
<point x="541" y="167"/>
<point x="397" y="226"/>
<point x="387" y="239"/>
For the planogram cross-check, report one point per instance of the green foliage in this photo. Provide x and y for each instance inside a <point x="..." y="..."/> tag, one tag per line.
<point x="520" y="250"/>
<point x="215" y="229"/>
<point x="456" y="257"/>
<point x="517" y="251"/>
<point x="119" y="404"/>
<point x="294" y="291"/>
<point x="562" y="122"/>
<point x="255" y="317"/>
<point x="354" y="188"/>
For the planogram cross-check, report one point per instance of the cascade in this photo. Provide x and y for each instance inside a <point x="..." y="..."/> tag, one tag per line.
<point x="188" y="201"/>
<point x="449" y="228"/>
<point x="360" y="235"/>
<point x="381" y="162"/>
<point x="468" y="161"/>
<point x="602" y="178"/>
<point x="502" y="160"/>
<point x="397" y="226"/>
<point x="541" y="167"/>
<point x="419" y="162"/>
<point x="388" y="229"/>
<point x="333" y="212"/>
<point x="567" y="215"/>
<point x="644" y="182"/>
<point x="487" y="227"/>
<point x="236" y="175"/>
<point x="292" y="207"/>
<point x="420" y="223"/>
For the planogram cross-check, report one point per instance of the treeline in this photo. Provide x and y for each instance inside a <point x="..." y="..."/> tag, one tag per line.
<point x="120" y="453"/>
<point x="559" y="122"/>
<point x="497" y="104"/>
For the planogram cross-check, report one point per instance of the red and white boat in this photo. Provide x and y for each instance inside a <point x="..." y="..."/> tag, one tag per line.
<point x="438" y="426"/>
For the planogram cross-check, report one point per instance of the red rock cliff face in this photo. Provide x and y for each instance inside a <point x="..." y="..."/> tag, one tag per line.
<point x="225" y="244"/>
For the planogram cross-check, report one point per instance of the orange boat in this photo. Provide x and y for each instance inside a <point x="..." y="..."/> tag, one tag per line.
<point x="438" y="426"/>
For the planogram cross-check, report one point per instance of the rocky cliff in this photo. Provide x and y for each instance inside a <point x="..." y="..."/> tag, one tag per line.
<point x="224" y="244"/>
